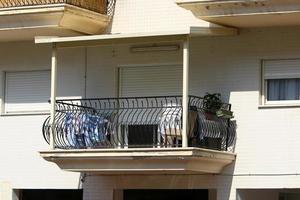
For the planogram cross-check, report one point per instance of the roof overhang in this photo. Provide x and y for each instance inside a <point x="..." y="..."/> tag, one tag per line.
<point x="245" y="13"/>
<point x="108" y="39"/>
<point x="141" y="161"/>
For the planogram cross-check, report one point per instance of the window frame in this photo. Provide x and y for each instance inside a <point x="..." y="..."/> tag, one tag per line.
<point x="264" y="88"/>
<point x="4" y="95"/>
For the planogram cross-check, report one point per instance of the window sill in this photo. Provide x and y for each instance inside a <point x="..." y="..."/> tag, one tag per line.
<point x="23" y="114"/>
<point x="292" y="105"/>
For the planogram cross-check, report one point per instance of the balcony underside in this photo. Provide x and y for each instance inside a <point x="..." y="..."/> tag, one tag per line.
<point x="141" y="161"/>
<point x="244" y="13"/>
<point x="24" y="23"/>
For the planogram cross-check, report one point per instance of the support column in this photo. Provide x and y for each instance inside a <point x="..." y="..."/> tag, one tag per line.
<point x="6" y="192"/>
<point x="53" y="95"/>
<point x="185" y="93"/>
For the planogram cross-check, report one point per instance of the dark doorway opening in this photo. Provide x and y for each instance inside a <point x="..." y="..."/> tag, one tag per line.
<point x="142" y="135"/>
<point x="32" y="194"/>
<point x="165" y="194"/>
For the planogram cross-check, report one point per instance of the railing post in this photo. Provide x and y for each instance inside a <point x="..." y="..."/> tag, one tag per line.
<point x="53" y="95"/>
<point x="185" y="93"/>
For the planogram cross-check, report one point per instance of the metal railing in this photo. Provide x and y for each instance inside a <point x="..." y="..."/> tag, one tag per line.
<point x="100" y="6"/>
<point x="152" y="122"/>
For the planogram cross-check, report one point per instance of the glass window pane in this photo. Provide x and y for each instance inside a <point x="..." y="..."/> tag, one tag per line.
<point x="283" y="89"/>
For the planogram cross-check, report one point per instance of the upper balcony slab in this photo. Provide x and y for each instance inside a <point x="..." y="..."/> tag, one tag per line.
<point x="246" y="13"/>
<point x="23" y="20"/>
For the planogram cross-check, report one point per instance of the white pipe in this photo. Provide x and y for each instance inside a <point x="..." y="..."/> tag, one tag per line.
<point x="185" y="93"/>
<point x="53" y="95"/>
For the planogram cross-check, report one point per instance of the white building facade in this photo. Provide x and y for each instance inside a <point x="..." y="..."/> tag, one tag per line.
<point x="154" y="49"/>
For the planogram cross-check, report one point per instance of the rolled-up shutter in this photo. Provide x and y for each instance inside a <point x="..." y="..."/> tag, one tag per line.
<point x="281" y="69"/>
<point x="151" y="81"/>
<point x="27" y="91"/>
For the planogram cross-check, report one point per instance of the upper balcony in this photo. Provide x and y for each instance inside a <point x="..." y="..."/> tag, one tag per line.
<point x="139" y="135"/>
<point x="24" y="19"/>
<point x="245" y="13"/>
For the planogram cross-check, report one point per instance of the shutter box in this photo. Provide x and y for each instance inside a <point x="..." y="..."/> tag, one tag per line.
<point x="281" y="69"/>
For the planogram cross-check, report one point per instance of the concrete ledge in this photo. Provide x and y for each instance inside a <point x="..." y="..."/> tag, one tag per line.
<point x="62" y="19"/>
<point x="141" y="161"/>
<point x="245" y="13"/>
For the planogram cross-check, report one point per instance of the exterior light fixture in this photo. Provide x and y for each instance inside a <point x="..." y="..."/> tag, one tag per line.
<point x="154" y="47"/>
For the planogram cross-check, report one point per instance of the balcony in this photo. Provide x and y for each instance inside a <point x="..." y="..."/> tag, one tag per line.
<point x="245" y="13"/>
<point x="138" y="135"/>
<point x="24" y="19"/>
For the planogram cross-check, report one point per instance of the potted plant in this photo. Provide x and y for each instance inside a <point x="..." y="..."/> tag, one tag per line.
<point x="211" y="104"/>
<point x="226" y="114"/>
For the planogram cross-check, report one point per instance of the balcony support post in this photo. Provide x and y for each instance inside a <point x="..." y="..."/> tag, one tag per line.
<point x="53" y="95"/>
<point x="185" y="93"/>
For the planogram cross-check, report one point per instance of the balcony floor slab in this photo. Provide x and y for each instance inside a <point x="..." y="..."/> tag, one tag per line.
<point x="141" y="160"/>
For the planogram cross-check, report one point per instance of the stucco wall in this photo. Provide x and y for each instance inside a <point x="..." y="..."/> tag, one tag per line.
<point x="267" y="137"/>
<point x="21" y="135"/>
<point x="150" y="16"/>
<point x="267" y="141"/>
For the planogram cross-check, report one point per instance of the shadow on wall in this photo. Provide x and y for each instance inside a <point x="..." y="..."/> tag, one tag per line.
<point x="226" y="177"/>
<point x="224" y="180"/>
<point x="81" y="180"/>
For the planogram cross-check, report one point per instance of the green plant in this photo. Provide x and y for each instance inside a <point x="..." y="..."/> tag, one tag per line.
<point x="212" y="102"/>
<point x="225" y="114"/>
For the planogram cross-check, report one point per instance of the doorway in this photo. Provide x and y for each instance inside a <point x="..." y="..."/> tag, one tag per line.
<point x="147" y="81"/>
<point x="169" y="194"/>
<point x="48" y="194"/>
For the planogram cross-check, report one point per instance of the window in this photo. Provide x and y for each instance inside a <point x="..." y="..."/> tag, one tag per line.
<point x="281" y="81"/>
<point x="27" y="92"/>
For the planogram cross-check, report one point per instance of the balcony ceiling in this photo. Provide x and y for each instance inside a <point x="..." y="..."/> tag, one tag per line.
<point x="246" y="13"/>
<point x="141" y="161"/>
<point x="26" y="22"/>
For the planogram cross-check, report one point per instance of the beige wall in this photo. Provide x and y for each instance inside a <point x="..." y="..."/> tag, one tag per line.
<point x="103" y="64"/>
<point x="267" y="139"/>
<point x="21" y="135"/>
<point x="150" y="16"/>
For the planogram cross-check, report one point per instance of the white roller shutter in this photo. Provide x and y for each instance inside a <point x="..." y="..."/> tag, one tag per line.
<point x="281" y="69"/>
<point x="151" y="81"/>
<point x="27" y="91"/>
